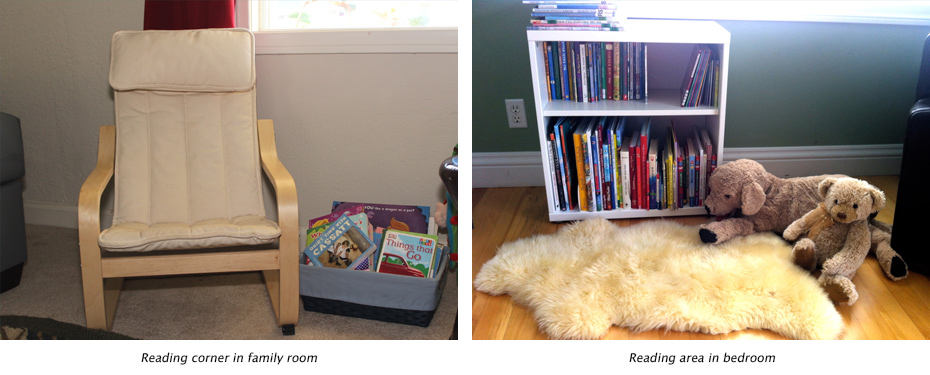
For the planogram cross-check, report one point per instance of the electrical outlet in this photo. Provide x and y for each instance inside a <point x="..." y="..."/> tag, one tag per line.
<point x="516" y="115"/>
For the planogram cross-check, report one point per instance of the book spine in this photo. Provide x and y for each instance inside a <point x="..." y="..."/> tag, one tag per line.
<point x="575" y="22"/>
<point x="596" y="166"/>
<point x="553" y="175"/>
<point x="563" y="65"/>
<point x="643" y="173"/>
<point x="567" y="163"/>
<point x="608" y="179"/>
<point x="550" y="69"/>
<point x="653" y="181"/>
<point x="602" y="69"/>
<point x="579" y="171"/>
<point x="576" y="6"/>
<point x="634" y="175"/>
<point x="574" y="28"/>
<point x="587" y="12"/>
<point x="625" y="176"/>
<point x="584" y="71"/>
<point x="562" y="168"/>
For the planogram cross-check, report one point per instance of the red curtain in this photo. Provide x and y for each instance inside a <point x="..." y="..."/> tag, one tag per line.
<point x="189" y="14"/>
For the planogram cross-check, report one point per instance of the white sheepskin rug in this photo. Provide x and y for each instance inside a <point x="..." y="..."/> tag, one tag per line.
<point x="591" y="274"/>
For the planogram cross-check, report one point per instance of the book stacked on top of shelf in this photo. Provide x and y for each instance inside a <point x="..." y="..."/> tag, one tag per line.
<point x="701" y="85"/>
<point x="580" y="15"/>
<point x="602" y="163"/>
<point x="596" y="71"/>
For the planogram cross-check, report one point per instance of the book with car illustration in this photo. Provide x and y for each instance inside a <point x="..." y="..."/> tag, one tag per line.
<point x="407" y="253"/>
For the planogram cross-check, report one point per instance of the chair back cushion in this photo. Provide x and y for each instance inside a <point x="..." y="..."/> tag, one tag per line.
<point x="186" y="138"/>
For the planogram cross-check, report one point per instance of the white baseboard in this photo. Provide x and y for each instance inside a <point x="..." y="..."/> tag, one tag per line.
<point x="50" y="214"/>
<point x="59" y="214"/>
<point x="500" y="169"/>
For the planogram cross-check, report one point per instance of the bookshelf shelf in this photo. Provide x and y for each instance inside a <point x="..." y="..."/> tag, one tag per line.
<point x="660" y="103"/>
<point x="670" y="44"/>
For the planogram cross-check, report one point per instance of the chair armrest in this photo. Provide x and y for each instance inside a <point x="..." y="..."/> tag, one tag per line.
<point x="91" y="191"/>
<point x="283" y="182"/>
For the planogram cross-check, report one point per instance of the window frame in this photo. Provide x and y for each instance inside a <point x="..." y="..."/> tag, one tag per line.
<point x="865" y="12"/>
<point x="401" y="40"/>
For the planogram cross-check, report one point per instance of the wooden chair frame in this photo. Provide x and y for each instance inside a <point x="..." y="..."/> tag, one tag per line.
<point x="103" y="276"/>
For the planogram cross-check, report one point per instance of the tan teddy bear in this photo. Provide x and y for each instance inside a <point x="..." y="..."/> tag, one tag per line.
<point x="839" y="233"/>
<point x="747" y="199"/>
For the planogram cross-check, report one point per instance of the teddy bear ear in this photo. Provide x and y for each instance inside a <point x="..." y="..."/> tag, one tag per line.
<point x="824" y="187"/>
<point x="878" y="199"/>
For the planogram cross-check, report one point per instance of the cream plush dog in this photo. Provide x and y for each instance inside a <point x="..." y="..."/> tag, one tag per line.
<point x="839" y="233"/>
<point x="755" y="200"/>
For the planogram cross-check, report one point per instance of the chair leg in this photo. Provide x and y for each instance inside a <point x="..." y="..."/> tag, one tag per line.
<point x="284" y="298"/>
<point x="94" y="305"/>
<point x="100" y="294"/>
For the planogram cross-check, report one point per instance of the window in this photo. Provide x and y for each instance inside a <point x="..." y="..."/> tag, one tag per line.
<point x="880" y="12"/>
<point x="366" y="26"/>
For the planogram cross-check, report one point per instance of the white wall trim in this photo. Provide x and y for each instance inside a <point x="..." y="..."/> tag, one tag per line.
<point x="59" y="215"/>
<point x="500" y="169"/>
<point x="50" y="214"/>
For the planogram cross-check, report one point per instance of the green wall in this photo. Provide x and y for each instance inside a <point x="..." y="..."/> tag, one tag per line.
<point x="790" y="83"/>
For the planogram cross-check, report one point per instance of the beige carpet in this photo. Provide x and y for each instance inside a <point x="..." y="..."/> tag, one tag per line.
<point x="209" y="307"/>
<point x="592" y="274"/>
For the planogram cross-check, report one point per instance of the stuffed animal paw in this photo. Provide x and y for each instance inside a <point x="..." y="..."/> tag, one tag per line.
<point x="841" y="290"/>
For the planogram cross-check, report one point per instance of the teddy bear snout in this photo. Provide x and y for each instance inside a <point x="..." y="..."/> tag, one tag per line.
<point x="841" y="215"/>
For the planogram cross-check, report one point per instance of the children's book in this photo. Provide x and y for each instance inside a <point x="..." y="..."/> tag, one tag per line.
<point x="356" y="213"/>
<point x="391" y="216"/>
<point x="341" y="245"/>
<point x="407" y="253"/>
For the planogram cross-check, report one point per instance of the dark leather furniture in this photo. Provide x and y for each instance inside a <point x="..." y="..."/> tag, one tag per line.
<point x="12" y="222"/>
<point x="910" y="217"/>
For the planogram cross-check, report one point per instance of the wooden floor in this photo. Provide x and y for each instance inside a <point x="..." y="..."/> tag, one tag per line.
<point x="885" y="310"/>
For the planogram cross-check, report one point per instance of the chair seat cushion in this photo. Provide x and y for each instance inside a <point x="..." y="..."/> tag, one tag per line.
<point x="240" y="230"/>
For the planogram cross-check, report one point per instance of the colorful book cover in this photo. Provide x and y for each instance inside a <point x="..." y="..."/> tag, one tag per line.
<point x="342" y="245"/>
<point x="354" y="213"/>
<point x="406" y="253"/>
<point x="393" y="216"/>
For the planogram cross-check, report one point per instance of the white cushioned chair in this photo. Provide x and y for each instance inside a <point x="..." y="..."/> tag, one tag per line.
<point x="186" y="155"/>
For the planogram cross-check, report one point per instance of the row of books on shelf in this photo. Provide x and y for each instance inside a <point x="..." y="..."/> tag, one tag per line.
<point x="596" y="71"/>
<point x="701" y="85"/>
<point x="395" y="239"/>
<point x="603" y="163"/>
<point x="575" y="15"/>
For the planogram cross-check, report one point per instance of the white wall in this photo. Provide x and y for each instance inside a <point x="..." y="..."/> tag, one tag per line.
<point x="351" y="127"/>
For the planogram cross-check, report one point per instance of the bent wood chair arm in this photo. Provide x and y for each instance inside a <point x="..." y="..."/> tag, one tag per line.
<point x="286" y="194"/>
<point x="95" y="292"/>
<point x="97" y="181"/>
<point x="281" y="179"/>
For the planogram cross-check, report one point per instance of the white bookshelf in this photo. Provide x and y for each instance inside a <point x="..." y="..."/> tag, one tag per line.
<point x="670" y="44"/>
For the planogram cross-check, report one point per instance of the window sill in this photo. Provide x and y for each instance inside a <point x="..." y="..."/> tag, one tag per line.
<point x="865" y="12"/>
<point x="290" y="42"/>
